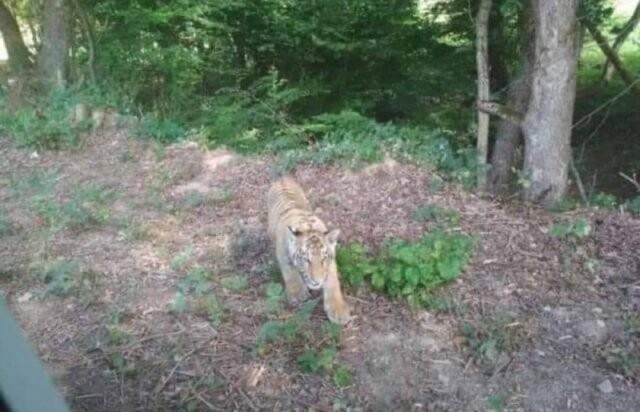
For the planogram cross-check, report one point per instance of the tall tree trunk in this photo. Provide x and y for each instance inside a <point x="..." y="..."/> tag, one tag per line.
<point x="53" y="57"/>
<point x="482" y="61"/>
<point x="547" y="123"/>
<point x="508" y="138"/>
<point x="19" y="57"/>
<point x="627" y="29"/>
<point x="498" y="59"/>
<point x="509" y="133"/>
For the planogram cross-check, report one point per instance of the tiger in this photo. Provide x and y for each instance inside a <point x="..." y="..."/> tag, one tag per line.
<point x="305" y="249"/>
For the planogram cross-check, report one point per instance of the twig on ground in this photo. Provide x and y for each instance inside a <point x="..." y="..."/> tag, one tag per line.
<point x="164" y="383"/>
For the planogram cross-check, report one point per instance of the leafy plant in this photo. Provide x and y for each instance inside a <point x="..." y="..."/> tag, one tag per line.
<point x="87" y="207"/>
<point x="495" y="403"/>
<point x="407" y="270"/>
<point x="436" y="214"/>
<point x="235" y="283"/>
<point x="634" y="205"/>
<point x="179" y="303"/>
<point x="286" y="331"/>
<point x="342" y="377"/>
<point x="313" y="361"/>
<point x="197" y="281"/>
<point x="275" y="297"/>
<point x="61" y="276"/>
<point x="39" y="183"/>
<point x="181" y="259"/>
<point x="445" y="304"/>
<point x="162" y="130"/>
<point x="210" y="307"/>
<point x="488" y="337"/>
<point x="604" y="201"/>
<point x="573" y="229"/>
<point x="623" y="360"/>
<point x="43" y="124"/>
<point x="119" y="363"/>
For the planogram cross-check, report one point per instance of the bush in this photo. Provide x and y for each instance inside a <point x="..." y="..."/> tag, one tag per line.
<point x="61" y="277"/>
<point x="44" y="124"/>
<point x="634" y="205"/>
<point x="352" y="139"/>
<point x="571" y="229"/>
<point x="407" y="270"/>
<point x="162" y="130"/>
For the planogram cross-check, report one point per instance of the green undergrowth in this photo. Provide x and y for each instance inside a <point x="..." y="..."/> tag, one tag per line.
<point x="315" y="350"/>
<point x="407" y="270"/>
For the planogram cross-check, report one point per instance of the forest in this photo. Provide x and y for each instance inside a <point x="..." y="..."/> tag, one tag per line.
<point x="481" y="159"/>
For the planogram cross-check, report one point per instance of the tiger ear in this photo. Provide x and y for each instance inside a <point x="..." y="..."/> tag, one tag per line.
<point x="332" y="237"/>
<point x="294" y="231"/>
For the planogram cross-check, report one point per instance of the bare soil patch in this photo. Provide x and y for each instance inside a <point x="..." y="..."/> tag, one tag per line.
<point x="563" y="312"/>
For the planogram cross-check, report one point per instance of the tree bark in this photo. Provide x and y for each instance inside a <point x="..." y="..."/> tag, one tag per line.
<point x="19" y="56"/>
<point x="482" y="62"/>
<point x="53" y="56"/>
<point x="628" y="78"/>
<point x="547" y="123"/>
<point x="627" y="29"/>
<point x="509" y="131"/>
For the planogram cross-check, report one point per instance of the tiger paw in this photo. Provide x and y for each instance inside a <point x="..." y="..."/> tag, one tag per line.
<point x="298" y="297"/>
<point x="338" y="313"/>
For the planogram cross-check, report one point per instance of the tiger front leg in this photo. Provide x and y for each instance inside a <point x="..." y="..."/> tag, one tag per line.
<point x="335" y="306"/>
<point x="297" y="291"/>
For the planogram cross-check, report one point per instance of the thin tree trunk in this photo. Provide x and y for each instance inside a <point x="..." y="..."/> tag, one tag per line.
<point x="53" y="56"/>
<point x="628" y="78"/>
<point x="482" y="61"/>
<point x="19" y="56"/>
<point x="627" y="29"/>
<point x="547" y="123"/>
<point x="88" y="34"/>
<point x="509" y="133"/>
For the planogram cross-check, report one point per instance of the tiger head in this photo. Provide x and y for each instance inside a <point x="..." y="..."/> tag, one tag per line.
<point x="313" y="253"/>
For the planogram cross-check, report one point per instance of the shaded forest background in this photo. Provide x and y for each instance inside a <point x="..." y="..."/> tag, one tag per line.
<point x="315" y="81"/>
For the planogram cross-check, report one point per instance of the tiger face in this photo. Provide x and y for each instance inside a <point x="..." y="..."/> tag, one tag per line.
<point x="313" y="254"/>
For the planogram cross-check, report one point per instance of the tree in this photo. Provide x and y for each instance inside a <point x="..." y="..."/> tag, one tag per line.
<point x="19" y="56"/>
<point x="547" y="123"/>
<point x="509" y="133"/>
<point x="53" y="56"/>
<point x="482" y="62"/>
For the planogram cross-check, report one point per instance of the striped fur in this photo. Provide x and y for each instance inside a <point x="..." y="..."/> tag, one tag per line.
<point x="305" y="249"/>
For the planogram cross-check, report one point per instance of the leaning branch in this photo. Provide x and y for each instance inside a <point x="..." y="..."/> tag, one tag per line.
<point x="501" y="111"/>
<point x="612" y="56"/>
<point x="626" y="30"/>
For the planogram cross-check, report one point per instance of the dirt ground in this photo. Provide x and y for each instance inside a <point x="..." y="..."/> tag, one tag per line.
<point x="535" y="323"/>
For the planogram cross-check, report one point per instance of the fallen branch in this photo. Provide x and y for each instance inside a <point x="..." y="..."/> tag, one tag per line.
<point x="631" y="180"/>
<point x="165" y="381"/>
